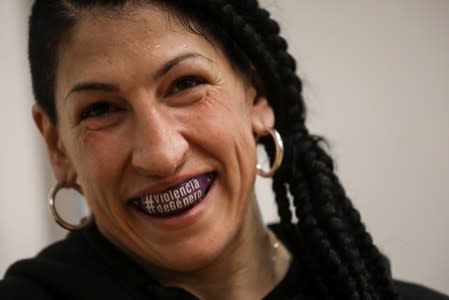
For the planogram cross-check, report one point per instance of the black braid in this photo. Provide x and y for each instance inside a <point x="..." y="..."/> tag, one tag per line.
<point x="376" y="262"/>
<point x="277" y="46"/>
<point x="319" y="249"/>
<point x="285" y="213"/>
<point x="329" y="217"/>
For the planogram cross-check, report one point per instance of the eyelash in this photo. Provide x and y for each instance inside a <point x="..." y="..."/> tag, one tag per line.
<point x="175" y="88"/>
<point x="90" y="111"/>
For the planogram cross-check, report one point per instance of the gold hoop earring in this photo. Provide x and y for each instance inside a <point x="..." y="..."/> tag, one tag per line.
<point x="279" y="155"/>
<point x="58" y="219"/>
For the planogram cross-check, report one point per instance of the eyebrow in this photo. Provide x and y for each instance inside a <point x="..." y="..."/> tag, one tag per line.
<point x="173" y="62"/>
<point x="108" y="87"/>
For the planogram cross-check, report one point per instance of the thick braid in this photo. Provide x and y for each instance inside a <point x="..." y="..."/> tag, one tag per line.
<point x="307" y="259"/>
<point x="247" y="39"/>
<point x="325" y="206"/>
<point x="313" y="214"/>
<point x="323" y="260"/>
<point x="277" y="46"/>
<point x="375" y="261"/>
<point x="283" y="204"/>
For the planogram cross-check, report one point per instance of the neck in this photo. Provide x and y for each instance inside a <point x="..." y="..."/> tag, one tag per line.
<point x="249" y="268"/>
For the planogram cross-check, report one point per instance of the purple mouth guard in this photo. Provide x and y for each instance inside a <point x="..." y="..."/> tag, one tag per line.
<point x="176" y="199"/>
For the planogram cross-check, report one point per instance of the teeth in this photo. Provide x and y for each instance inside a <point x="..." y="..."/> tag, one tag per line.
<point x="177" y="198"/>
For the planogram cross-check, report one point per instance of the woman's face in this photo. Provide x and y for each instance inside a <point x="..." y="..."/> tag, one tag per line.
<point x="158" y="129"/>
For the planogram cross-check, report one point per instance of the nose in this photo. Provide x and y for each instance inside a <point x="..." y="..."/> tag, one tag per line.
<point x="159" y="148"/>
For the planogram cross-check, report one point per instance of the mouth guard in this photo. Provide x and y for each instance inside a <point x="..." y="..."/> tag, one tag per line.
<point x="176" y="199"/>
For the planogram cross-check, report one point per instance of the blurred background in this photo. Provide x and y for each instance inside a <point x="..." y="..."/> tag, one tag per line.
<point x="376" y="77"/>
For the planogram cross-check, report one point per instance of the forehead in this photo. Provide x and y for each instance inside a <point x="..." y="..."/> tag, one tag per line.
<point x="135" y="38"/>
<point x="123" y="25"/>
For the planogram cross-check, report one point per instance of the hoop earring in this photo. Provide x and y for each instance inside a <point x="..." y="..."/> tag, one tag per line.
<point x="279" y="155"/>
<point x="58" y="219"/>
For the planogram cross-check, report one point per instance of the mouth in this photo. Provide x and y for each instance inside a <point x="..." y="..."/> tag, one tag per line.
<point x="176" y="199"/>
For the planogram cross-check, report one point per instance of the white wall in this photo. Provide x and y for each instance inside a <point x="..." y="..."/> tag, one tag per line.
<point x="23" y="225"/>
<point x="377" y="86"/>
<point x="25" y="176"/>
<point x="377" y="80"/>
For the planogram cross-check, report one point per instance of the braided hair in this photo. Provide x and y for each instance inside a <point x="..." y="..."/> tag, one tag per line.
<point x="329" y="239"/>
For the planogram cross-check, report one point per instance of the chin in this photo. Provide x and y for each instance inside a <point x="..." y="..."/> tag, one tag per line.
<point x="190" y="255"/>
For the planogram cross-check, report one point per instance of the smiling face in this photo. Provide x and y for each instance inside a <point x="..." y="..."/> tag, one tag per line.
<point x="146" y="109"/>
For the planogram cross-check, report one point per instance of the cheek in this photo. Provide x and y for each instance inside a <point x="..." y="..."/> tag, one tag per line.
<point x="221" y="125"/>
<point x="102" y="161"/>
<point x="100" y="157"/>
<point x="223" y="111"/>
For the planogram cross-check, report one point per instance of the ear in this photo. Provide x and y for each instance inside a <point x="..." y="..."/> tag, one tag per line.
<point x="62" y="167"/>
<point x="262" y="116"/>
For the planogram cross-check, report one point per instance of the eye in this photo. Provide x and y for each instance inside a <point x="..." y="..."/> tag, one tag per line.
<point x="98" y="109"/>
<point x="185" y="83"/>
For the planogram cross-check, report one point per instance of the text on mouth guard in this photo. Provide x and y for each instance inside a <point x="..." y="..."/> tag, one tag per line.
<point x="177" y="198"/>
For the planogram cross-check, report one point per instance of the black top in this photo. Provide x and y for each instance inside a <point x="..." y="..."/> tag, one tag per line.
<point x="86" y="266"/>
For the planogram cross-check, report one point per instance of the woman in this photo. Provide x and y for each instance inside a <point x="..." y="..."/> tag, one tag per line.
<point x="152" y="110"/>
